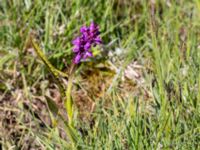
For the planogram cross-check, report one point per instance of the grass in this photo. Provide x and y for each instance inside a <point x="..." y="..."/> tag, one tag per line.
<point x="160" y="109"/>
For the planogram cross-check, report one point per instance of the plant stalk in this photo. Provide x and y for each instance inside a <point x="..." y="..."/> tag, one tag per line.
<point x="69" y="101"/>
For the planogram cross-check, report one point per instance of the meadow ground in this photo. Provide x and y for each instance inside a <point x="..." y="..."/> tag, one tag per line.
<point x="140" y="91"/>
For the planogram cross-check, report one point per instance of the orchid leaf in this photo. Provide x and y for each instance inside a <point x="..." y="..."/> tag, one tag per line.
<point x="52" y="105"/>
<point x="56" y="73"/>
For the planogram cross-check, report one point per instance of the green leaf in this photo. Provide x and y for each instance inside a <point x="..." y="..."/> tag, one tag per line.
<point x="52" y="69"/>
<point x="56" y="73"/>
<point x="3" y="86"/>
<point x="4" y="59"/>
<point x="52" y="105"/>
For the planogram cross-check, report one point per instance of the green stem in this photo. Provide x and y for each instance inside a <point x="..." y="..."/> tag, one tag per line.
<point x="69" y="101"/>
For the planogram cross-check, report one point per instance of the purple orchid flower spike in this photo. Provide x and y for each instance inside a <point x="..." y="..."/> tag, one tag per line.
<point x="89" y="37"/>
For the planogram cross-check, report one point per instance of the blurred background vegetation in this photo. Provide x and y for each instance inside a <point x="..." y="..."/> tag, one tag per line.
<point x="141" y="91"/>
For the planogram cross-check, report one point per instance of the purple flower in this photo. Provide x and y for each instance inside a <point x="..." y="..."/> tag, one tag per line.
<point x="89" y="37"/>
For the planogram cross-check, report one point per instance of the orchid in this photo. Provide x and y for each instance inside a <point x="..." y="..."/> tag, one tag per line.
<point x="82" y="44"/>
